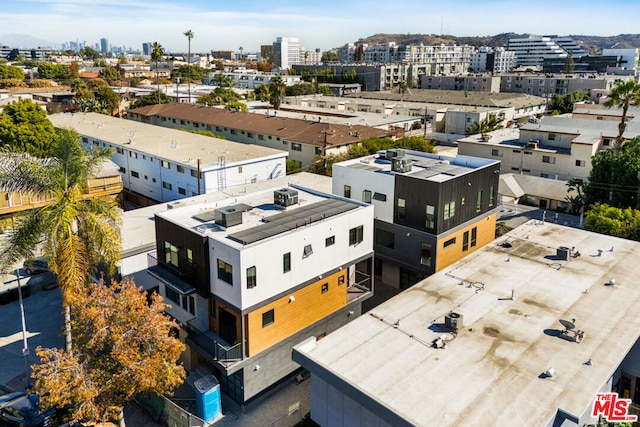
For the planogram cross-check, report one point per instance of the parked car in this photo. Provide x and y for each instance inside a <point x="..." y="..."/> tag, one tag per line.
<point x="21" y="409"/>
<point x="46" y="280"/>
<point x="35" y="266"/>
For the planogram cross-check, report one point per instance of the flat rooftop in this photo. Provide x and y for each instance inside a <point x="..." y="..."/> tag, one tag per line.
<point x="164" y="143"/>
<point x="427" y="166"/>
<point x="586" y="129"/>
<point x="491" y="372"/>
<point x="138" y="225"/>
<point x="261" y="218"/>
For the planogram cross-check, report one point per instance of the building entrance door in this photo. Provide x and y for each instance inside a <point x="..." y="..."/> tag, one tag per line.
<point x="227" y="326"/>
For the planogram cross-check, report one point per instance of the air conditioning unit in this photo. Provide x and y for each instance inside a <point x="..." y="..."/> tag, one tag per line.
<point x="453" y="321"/>
<point x="392" y="153"/>
<point x="401" y="164"/>
<point x="285" y="197"/>
<point x="534" y="143"/>
<point x="228" y="216"/>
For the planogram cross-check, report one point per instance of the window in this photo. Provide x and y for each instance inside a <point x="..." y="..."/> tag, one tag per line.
<point x="497" y="153"/>
<point x="182" y="191"/>
<point x="165" y="164"/>
<point x="251" y="277"/>
<point x="479" y="201"/>
<point x="286" y="262"/>
<point x="119" y="150"/>
<point x="347" y="191"/>
<point x="341" y="280"/>
<point x="166" y="185"/>
<point x="430" y="217"/>
<point x="491" y="196"/>
<point x="552" y="137"/>
<point x="172" y="294"/>
<point x="385" y="238"/>
<point x="268" y="318"/>
<point x="234" y="132"/>
<point x="296" y="147"/>
<point x="356" y="235"/>
<point x="379" y="196"/>
<point x="261" y="137"/>
<point x="549" y="159"/>
<point x="170" y="254"/>
<point x="133" y="154"/>
<point x="135" y="174"/>
<point x="529" y="153"/>
<point x="194" y="173"/>
<point x="225" y="272"/>
<point x="449" y="210"/>
<point x="330" y="241"/>
<point x="606" y="142"/>
<point x="85" y="139"/>
<point x="249" y="134"/>
<point x="218" y="129"/>
<point x="180" y="168"/>
<point x="189" y="257"/>
<point x="516" y="151"/>
<point x="239" y="169"/>
<point x="366" y="196"/>
<point x="449" y="242"/>
<point x="400" y="209"/>
<point x="325" y="288"/>
<point x="465" y="241"/>
<point x="474" y="236"/>
<point x="425" y="254"/>
<point x="580" y="163"/>
<point x="318" y="150"/>
<point x="308" y="250"/>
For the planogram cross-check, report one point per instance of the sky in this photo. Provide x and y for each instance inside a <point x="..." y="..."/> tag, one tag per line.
<point x="326" y="24"/>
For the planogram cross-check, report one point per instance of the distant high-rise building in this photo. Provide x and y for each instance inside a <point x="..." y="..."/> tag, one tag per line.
<point x="286" y="52"/>
<point x="531" y="51"/>
<point x="104" y="45"/>
<point x="146" y="48"/>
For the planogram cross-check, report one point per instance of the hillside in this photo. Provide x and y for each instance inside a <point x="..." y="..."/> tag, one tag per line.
<point x="592" y="44"/>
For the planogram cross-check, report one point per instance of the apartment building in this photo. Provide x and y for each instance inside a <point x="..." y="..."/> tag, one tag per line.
<point x="304" y="139"/>
<point x="286" y="52"/>
<point x="547" y="85"/>
<point x="531" y="51"/>
<point x="251" y="79"/>
<point x="527" y="331"/>
<point x="464" y="82"/>
<point x="430" y="210"/>
<point x="494" y="60"/>
<point x="555" y="147"/>
<point x="254" y="275"/>
<point x="159" y="165"/>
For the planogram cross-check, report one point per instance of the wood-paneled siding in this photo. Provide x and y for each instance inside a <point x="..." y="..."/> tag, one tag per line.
<point x="310" y="305"/>
<point x="196" y="272"/>
<point x="485" y="233"/>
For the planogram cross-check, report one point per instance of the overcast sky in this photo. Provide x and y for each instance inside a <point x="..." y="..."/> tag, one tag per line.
<point x="229" y="24"/>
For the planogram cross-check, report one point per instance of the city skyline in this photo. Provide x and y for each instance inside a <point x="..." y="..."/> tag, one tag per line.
<point x="327" y="25"/>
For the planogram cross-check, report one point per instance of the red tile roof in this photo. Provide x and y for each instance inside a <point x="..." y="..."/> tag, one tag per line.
<point x="293" y="130"/>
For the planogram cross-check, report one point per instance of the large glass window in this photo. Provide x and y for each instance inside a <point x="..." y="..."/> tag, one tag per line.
<point x="286" y="262"/>
<point x="449" y="210"/>
<point x="225" y="272"/>
<point x="268" y="317"/>
<point x="474" y="236"/>
<point x="425" y="254"/>
<point x="366" y="196"/>
<point x="172" y="295"/>
<point x="347" y="191"/>
<point x="189" y="256"/>
<point x="401" y="209"/>
<point x="385" y="238"/>
<point x="251" y="277"/>
<point x="356" y="235"/>
<point x="170" y="254"/>
<point x="491" y="195"/>
<point x="465" y="241"/>
<point x="430" y="217"/>
<point x="479" y="201"/>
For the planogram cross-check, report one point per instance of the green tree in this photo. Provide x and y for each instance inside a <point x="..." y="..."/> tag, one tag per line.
<point x="562" y="104"/>
<point x="77" y="232"/>
<point x="5" y="83"/>
<point x="236" y="106"/>
<point x="10" y="72"/>
<point x="74" y="70"/>
<point x="569" y="63"/>
<point x="40" y="83"/>
<point x="188" y="73"/>
<point x="579" y="200"/>
<point x="47" y="70"/>
<point x="241" y="49"/>
<point x="619" y="222"/>
<point x="330" y="57"/>
<point x="110" y="99"/>
<point x="490" y="123"/>
<point x="124" y="346"/>
<point x="89" y="53"/>
<point x="623" y="94"/>
<point x="24" y="128"/>
<point x="155" y="97"/>
<point x="189" y="35"/>
<point x="614" y="177"/>
<point x="157" y="52"/>
<point x="111" y="75"/>
<point x="277" y="89"/>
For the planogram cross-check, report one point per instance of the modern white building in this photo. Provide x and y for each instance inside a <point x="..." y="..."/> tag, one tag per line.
<point x="159" y="164"/>
<point x="630" y="57"/>
<point x="525" y="332"/>
<point x="496" y="60"/>
<point x="286" y="52"/>
<point x="531" y="51"/>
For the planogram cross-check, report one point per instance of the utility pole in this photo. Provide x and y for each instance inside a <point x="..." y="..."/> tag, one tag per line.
<point x="325" y="132"/>
<point x="425" y="123"/>
<point x="25" y="349"/>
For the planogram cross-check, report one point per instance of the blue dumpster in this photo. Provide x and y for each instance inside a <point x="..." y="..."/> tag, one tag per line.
<point x="208" y="400"/>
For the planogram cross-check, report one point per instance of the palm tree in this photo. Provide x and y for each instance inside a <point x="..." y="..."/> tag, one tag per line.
<point x="488" y="124"/>
<point x="77" y="232"/>
<point x="278" y="88"/>
<point x="157" y="52"/>
<point x="241" y="49"/>
<point x="189" y="35"/>
<point x="623" y="94"/>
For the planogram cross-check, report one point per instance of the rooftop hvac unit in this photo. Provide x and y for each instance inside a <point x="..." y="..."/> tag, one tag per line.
<point x="393" y="153"/>
<point x="563" y="252"/>
<point x="285" y="197"/>
<point x="534" y="143"/>
<point x="228" y="216"/>
<point x="453" y="321"/>
<point x="401" y="164"/>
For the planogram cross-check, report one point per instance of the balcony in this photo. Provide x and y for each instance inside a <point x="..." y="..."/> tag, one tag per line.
<point x="362" y="286"/>
<point x="212" y="347"/>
